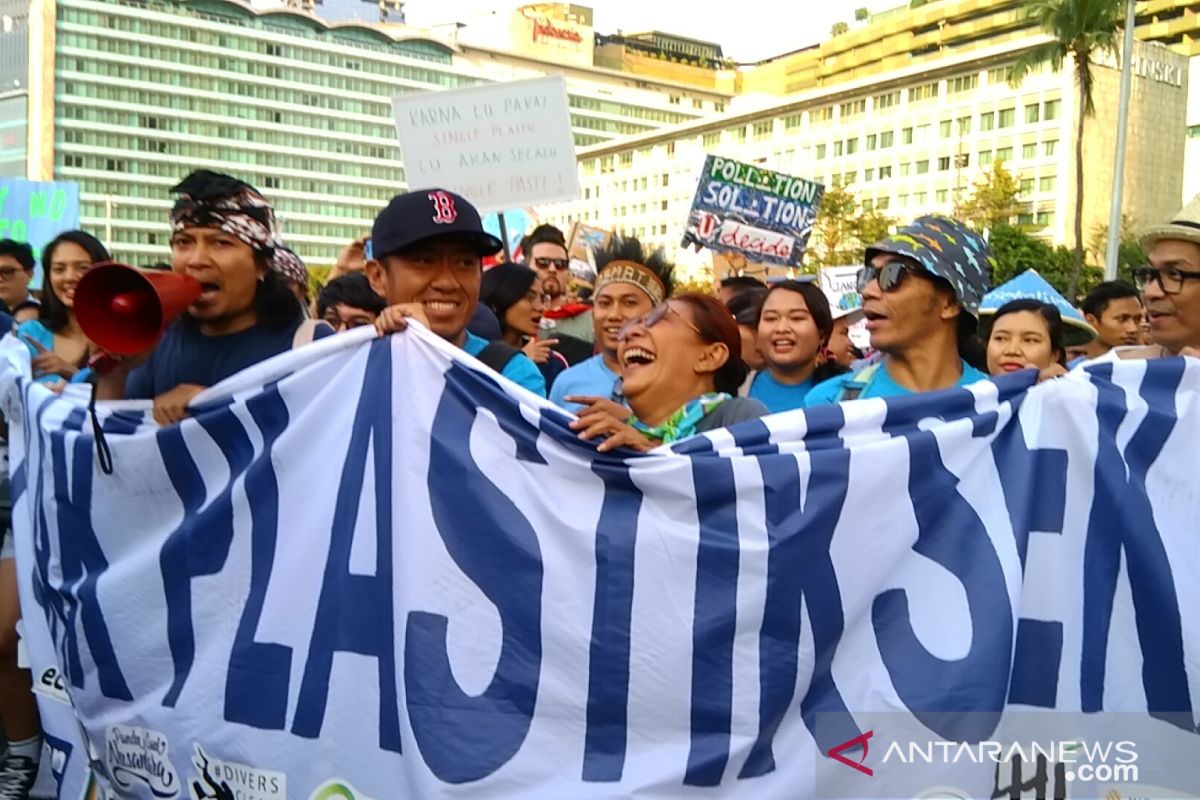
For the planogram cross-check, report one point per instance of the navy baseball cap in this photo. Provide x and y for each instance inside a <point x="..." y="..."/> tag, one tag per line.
<point x="424" y="214"/>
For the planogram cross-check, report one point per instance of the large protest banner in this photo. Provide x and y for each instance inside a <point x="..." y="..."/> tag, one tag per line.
<point x="742" y="208"/>
<point x="502" y="145"/>
<point x="36" y="212"/>
<point x="862" y="600"/>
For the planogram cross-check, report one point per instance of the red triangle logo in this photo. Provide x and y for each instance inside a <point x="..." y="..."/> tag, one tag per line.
<point x="836" y="753"/>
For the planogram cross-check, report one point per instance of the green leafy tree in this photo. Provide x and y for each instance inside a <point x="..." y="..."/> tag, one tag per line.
<point x="1080" y="30"/>
<point x="839" y="28"/>
<point x="1016" y="250"/>
<point x="844" y="229"/>
<point x="861" y="14"/>
<point x="993" y="200"/>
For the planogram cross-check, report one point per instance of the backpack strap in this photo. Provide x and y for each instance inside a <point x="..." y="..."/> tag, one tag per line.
<point x="853" y="389"/>
<point x="497" y="354"/>
<point x="305" y="333"/>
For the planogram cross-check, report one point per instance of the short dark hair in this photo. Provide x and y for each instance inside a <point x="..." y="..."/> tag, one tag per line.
<point x="53" y="313"/>
<point x="630" y="248"/>
<point x="354" y="290"/>
<point x="1054" y="322"/>
<point x="542" y="234"/>
<point x="503" y="286"/>
<point x="716" y="325"/>
<point x="1097" y="299"/>
<point x="746" y="306"/>
<point x="741" y="282"/>
<point x="20" y="252"/>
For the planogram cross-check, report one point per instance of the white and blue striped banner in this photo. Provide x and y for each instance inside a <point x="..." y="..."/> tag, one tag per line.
<point x="371" y="569"/>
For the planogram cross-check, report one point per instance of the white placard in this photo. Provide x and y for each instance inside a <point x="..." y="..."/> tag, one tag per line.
<point x="505" y="145"/>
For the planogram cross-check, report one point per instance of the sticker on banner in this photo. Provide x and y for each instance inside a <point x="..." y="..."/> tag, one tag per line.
<point x="338" y="790"/>
<point x="222" y="780"/>
<point x="139" y="756"/>
<point x="52" y="685"/>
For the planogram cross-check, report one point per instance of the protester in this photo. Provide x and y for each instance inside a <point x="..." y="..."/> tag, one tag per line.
<point x="793" y="328"/>
<point x="56" y="343"/>
<point x="545" y="249"/>
<point x="630" y="280"/>
<point x="1026" y="334"/>
<point x="746" y="308"/>
<point x="16" y="271"/>
<point x="349" y="302"/>
<point x="681" y="366"/>
<point x="841" y="348"/>
<point x="1114" y="309"/>
<point x="294" y="273"/>
<point x="1171" y="286"/>
<point x="921" y="289"/>
<point x="224" y="235"/>
<point x="733" y="285"/>
<point x="428" y="248"/>
<point x="513" y="293"/>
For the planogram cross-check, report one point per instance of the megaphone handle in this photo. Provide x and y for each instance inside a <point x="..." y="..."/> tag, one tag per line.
<point x="102" y="362"/>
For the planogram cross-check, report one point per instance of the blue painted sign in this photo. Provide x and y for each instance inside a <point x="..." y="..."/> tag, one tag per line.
<point x="36" y="212"/>
<point x="741" y="208"/>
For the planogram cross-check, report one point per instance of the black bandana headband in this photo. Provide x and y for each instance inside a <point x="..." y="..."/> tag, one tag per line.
<point x="212" y="200"/>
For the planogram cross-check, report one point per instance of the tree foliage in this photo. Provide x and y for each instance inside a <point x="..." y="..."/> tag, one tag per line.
<point x="839" y="28"/>
<point x="1080" y="30"/>
<point x="1016" y="250"/>
<point x="993" y="200"/>
<point x="844" y="229"/>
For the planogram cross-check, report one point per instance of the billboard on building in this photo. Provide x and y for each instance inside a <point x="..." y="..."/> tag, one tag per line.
<point x="502" y="145"/>
<point x="763" y="215"/>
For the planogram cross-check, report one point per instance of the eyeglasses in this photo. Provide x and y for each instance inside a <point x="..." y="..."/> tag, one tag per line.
<point x="890" y="275"/>
<point x="559" y="264"/>
<point x="1170" y="280"/>
<point x="652" y="318"/>
<point x="8" y="273"/>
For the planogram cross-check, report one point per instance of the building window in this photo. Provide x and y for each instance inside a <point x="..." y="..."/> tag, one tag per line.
<point x="902" y="200"/>
<point x="882" y="203"/>
<point x="944" y="164"/>
<point x="1008" y="116"/>
<point x="987" y="121"/>
<point x="1032" y="113"/>
<point x="999" y="75"/>
<point x="963" y="83"/>
<point x="872" y="141"/>
<point x="923" y="167"/>
<point x="825" y="114"/>
<point x="868" y="204"/>
<point x="869" y="174"/>
<point x="664" y="208"/>
<point x="942" y="195"/>
<point x="944" y="129"/>
<point x="849" y="178"/>
<point x="888" y="100"/>
<point x="964" y="126"/>
<point x="1045" y="218"/>
<point x="851" y="146"/>
<point x="820" y="152"/>
<point x="1052" y="109"/>
<point x="838" y="148"/>
<point x="887" y="137"/>
<point x="925" y="92"/>
<point x="1046" y="183"/>
<point x="763" y="130"/>
<point x="1026" y="185"/>
<point x="791" y="122"/>
<point x="1050" y="146"/>
<point x="1004" y="154"/>
<point x="1025" y="219"/>
<point x="853" y="108"/>
<point x="920" y="198"/>
<point x="712" y="139"/>
<point x="1029" y="151"/>
<point x="906" y="136"/>
<point x="905" y="168"/>
<point x="885" y="172"/>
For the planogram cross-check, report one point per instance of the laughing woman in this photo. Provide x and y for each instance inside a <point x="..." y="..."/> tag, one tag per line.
<point x="793" y="331"/>
<point x="681" y="366"/>
<point x="223" y="234"/>
<point x="514" y="294"/>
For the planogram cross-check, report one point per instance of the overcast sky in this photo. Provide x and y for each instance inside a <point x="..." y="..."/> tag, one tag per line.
<point x="760" y="29"/>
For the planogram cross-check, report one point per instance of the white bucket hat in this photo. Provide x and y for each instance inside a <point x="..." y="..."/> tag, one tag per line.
<point x="1185" y="227"/>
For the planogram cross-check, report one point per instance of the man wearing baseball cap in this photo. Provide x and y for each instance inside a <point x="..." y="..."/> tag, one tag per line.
<point x="428" y="248"/>
<point x="1171" y="287"/>
<point x="920" y="290"/>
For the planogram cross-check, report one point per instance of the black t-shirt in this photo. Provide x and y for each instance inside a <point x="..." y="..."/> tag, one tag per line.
<point x="185" y="355"/>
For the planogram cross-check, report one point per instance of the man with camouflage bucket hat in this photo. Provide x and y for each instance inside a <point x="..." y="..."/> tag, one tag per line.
<point x="921" y="289"/>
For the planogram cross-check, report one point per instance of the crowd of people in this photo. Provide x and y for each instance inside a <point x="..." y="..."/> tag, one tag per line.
<point x="638" y="364"/>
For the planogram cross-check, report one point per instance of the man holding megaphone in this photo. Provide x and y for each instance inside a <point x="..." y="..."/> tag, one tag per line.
<point x="224" y="240"/>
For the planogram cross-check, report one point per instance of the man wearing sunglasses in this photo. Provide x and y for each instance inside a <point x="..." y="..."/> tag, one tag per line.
<point x="1171" y="287"/>
<point x="920" y="290"/>
<point x="545" y="250"/>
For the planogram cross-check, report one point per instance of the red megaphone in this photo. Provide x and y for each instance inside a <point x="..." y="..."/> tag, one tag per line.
<point x="124" y="310"/>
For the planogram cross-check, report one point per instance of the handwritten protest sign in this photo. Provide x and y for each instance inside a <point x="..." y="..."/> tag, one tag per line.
<point x="740" y="208"/>
<point x="506" y="145"/>
<point x="584" y="239"/>
<point x="36" y="212"/>
<point x="840" y="285"/>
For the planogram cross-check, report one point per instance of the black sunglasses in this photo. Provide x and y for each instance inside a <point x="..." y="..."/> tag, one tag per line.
<point x="558" y="264"/>
<point x="890" y="275"/>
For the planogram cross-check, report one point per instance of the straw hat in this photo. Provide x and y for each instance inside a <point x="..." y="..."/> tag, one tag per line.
<point x="1185" y="227"/>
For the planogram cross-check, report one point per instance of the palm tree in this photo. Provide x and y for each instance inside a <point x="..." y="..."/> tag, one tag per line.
<point x="1079" y="30"/>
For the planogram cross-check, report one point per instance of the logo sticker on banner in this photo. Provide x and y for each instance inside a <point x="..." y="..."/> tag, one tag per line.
<point x="503" y="145"/>
<point x="742" y="208"/>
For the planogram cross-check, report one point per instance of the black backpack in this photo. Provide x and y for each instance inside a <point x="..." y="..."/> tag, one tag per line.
<point x="497" y="354"/>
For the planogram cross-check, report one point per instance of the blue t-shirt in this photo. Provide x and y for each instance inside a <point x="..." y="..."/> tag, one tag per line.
<point x="590" y="378"/>
<point x="778" y="396"/>
<point x="185" y="355"/>
<point x="519" y="369"/>
<point x="37" y="331"/>
<point x="878" y="383"/>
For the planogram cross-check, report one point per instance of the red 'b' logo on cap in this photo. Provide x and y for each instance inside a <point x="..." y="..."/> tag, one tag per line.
<point x="444" y="211"/>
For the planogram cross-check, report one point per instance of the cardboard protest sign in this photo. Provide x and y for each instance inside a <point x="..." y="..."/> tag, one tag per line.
<point x="840" y="285"/>
<point x="504" y="145"/>
<point x="584" y="239"/>
<point x="36" y="212"/>
<point x="741" y="208"/>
